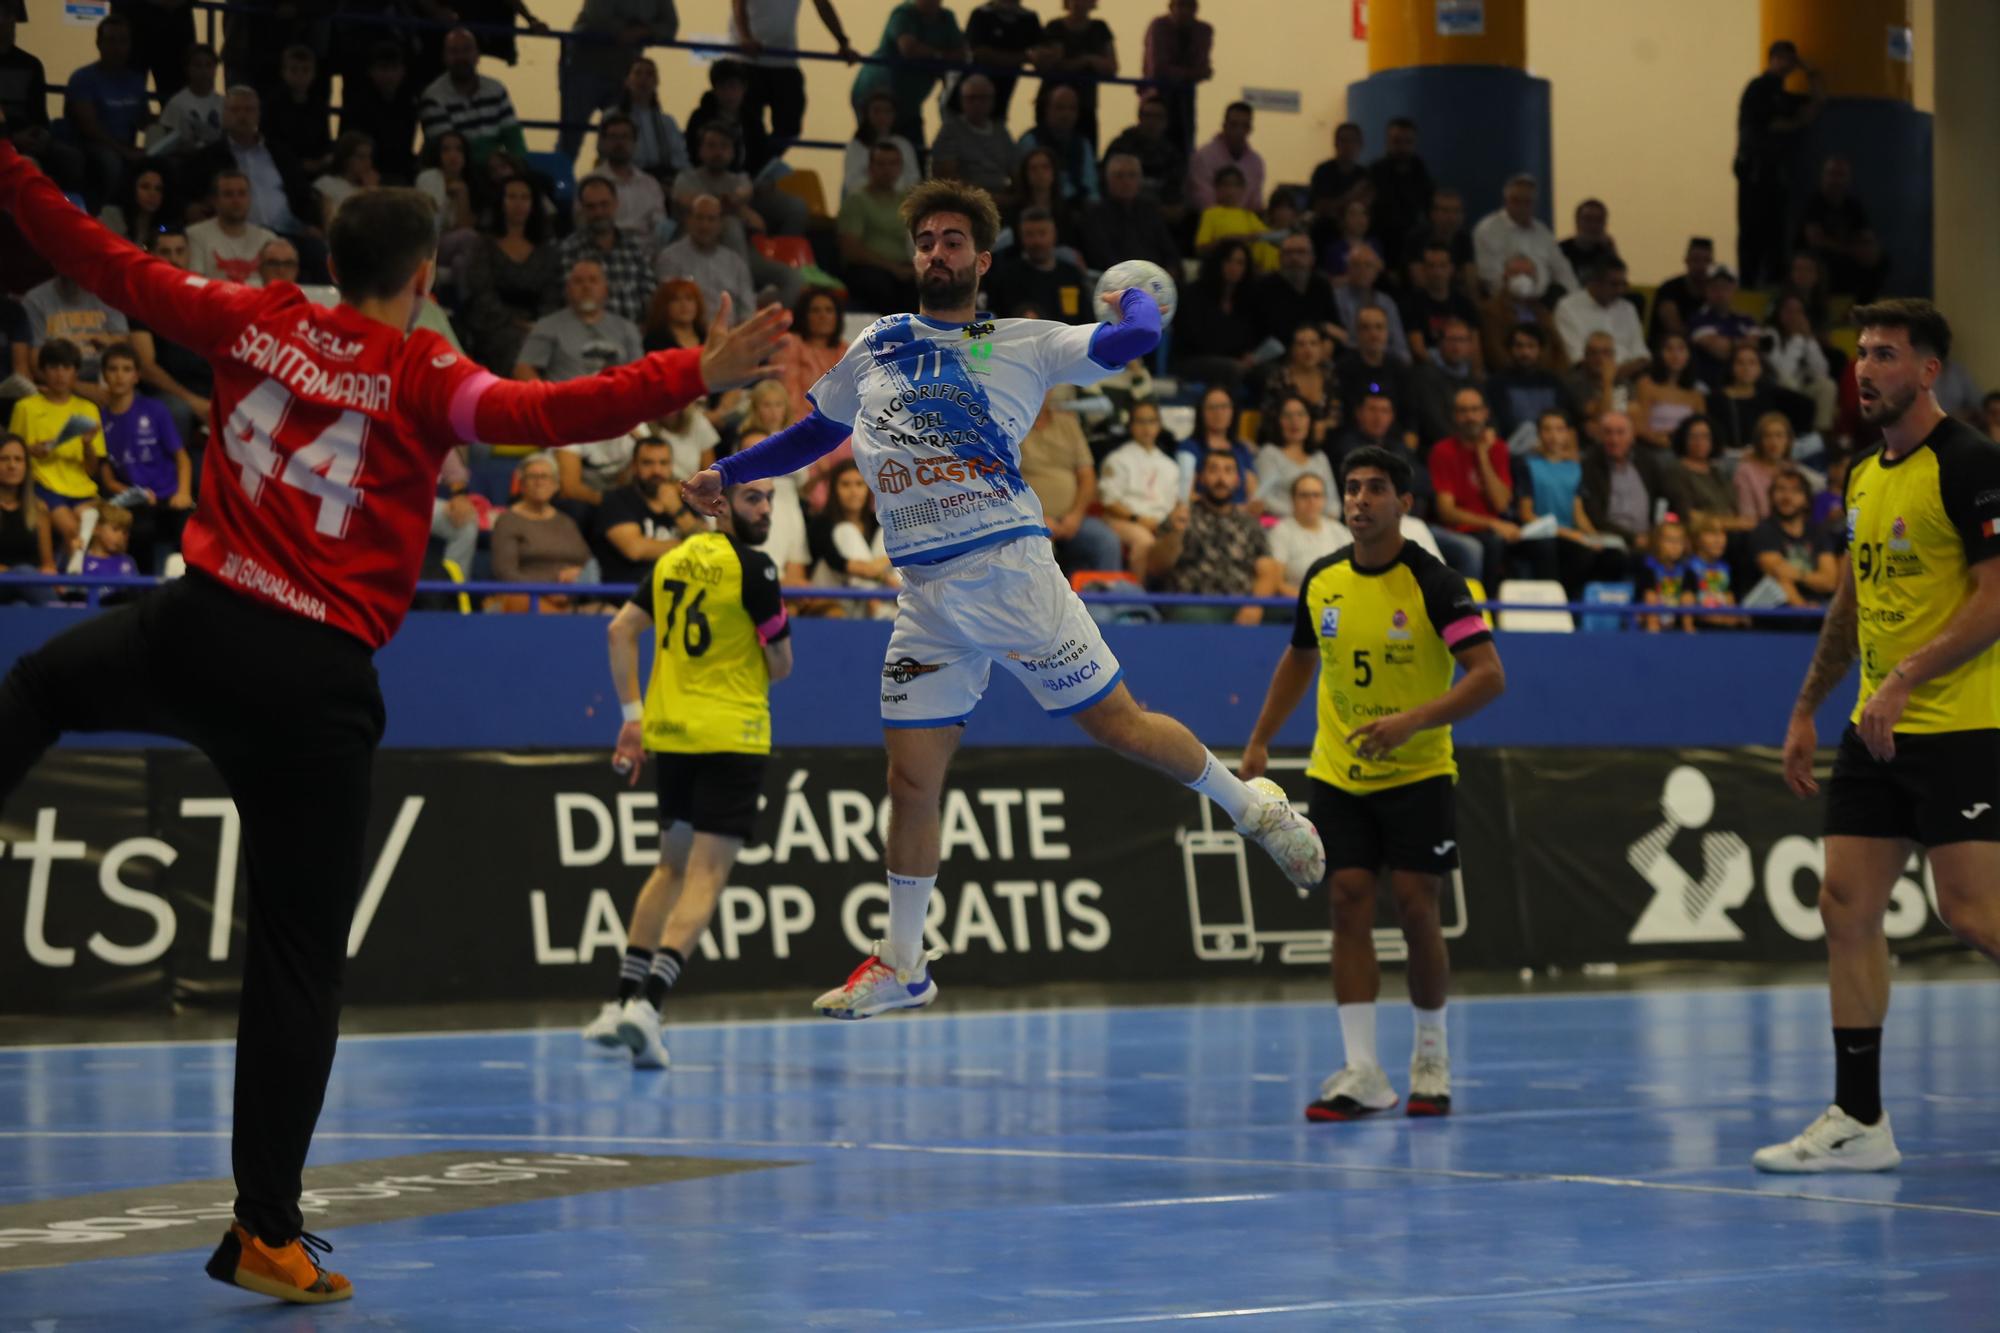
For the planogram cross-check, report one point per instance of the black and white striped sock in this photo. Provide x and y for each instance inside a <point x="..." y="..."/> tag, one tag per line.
<point x="666" y="970"/>
<point x="632" y="972"/>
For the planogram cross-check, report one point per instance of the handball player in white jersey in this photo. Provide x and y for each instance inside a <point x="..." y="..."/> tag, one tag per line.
<point x="937" y="403"/>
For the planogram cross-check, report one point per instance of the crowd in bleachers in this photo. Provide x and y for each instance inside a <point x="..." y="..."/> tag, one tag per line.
<point x="1684" y="441"/>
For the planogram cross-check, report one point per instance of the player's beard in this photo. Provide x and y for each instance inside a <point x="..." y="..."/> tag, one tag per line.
<point x="1887" y="410"/>
<point x="752" y="532"/>
<point x="943" y="289"/>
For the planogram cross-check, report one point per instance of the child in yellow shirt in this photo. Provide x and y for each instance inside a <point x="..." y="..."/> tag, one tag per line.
<point x="65" y="439"/>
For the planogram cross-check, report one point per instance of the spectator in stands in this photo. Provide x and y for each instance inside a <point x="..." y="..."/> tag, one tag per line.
<point x="1352" y="230"/>
<point x="1739" y="405"/>
<point x="1306" y="373"/>
<point x="1216" y="433"/>
<point x="1710" y="575"/>
<point x="141" y="209"/>
<point x="1514" y="304"/>
<point x="1057" y="130"/>
<point x="1039" y="185"/>
<point x="1032" y="274"/>
<point x="1621" y="483"/>
<point x="1298" y="293"/>
<point x="446" y="179"/>
<point x="642" y="520"/>
<point x="143" y="453"/>
<point x="677" y="316"/>
<point x="973" y="146"/>
<point x="177" y="376"/>
<point x="1799" y="556"/>
<point x="1161" y="160"/>
<point x="642" y="204"/>
<point x="764" y="29"/>
<point x="1770" y="454"/>
<point x="1179" y="55"/>
<point x="1336" y="181"/>
<point x="1806" y="280"/>
<point x="1228" y="220"/>
<point x="228" y="245"/>
<point x="591" y="71"/>
<point x="1472" y="473"/>
<point x="1835" y="228"/>
<point x="1076" y="51"/>
<point x="877" y="125"/>
<point x="535" y="542"/>
<point x="1002" y="34"/>
<point x="1402" y="189"/>
<point x="813" y="347"/>
<point x="513" y="279"/>
<point x="1664" y="577"/>
<point x="917" y="31"/>
<point x="193" y="115"/>
<point x="1215" y="332"/>
<point x="1229" y="148"/>
<point x="1438" y="376"/>
<point x="874" y="243"/>
<point x="1434" y="301"/>
<point x="352" y="168"/>
<point x="296" y="112"/>
<point x="584" y="337"/>
<point x="1956" y="391"/>
<point x="1696" y="486"/>
<point x="1591" y="244"/>
<point x="1444" y="224"/>
<point x="1592" y="384"/>
<point x="722" y="105"/>
<point x="1681" y="296"/>
<point x="626" y="261"/>
<point x="1369" y="366"/>
<point x="848" y="544"/>
<point x="65" y="439"/>
<point x="108" y="552"/>
<point x="1306" y="534"/>
<point x="16" y="355"/>
<point x="1123" y="225"/>
<point x="281" y="194"/>
<point x="1295" y="451"/>
<point x="60" y="310"/>
<point x="716" y="147"/>
<point x="1601" y="307"/>
<point x="105" y="106"/>
<point x="1056" y="464"/>
<point x="1214" y="547"/>
<point x="1358" y="293"/>
<point x="1666" y="394"/>
<point x="1549" y="483"/>
<point x="26" y="529"/>
<point x="383" y="106"/>
<point x="659" y="146"/>
<point x="1768" y="121"/>
<point x="278" y="261"/>
<point x="1717" y="329"/>
<point x="24" y="106"/>
<point x="476" y="106"/>
<point x="1798" y="362"/>
<point x="1512" y="230"/>
<point x="1141" y="485"/>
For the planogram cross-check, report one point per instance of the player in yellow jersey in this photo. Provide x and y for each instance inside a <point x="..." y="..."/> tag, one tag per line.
<point x="1919" y="763"/>
<point x="1386" y="625"/>
<point x="721" y="639"/>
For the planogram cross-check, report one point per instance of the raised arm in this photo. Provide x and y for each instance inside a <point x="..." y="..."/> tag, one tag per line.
<point x="182" y="307"/>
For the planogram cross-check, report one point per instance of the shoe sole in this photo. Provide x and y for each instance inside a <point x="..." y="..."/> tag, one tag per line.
<point x="1420" y="1107"/>
<point x="1829" y="1169"/>
<point x="856" y="1015"/>
<point x="223" y="1267"/>
<point x="1327" y="1115"/>
<point x="605" y="1041"/>
<point x="633" y="1038"/>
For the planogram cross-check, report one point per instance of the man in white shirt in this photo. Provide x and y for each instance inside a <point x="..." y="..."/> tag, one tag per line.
<point x="763" y="28"/>
<point x="1141" y="487"/>
<point x="229" y="245"/>
<point x="1601" y="307"/>
<point x="194" y="114"/>
<point x="1515" y="230"/>
<point x="642" y="204"/>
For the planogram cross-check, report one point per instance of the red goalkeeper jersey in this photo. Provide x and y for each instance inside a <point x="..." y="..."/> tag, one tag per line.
<point x="329" y="427"/>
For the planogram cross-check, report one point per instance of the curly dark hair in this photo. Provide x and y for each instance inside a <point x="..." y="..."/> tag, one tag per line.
<point x="949" y="196"/>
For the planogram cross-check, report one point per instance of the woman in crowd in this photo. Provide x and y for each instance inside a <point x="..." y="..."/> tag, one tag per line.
<point x="847" y="541"/>
<point x="877" y="125"/>
<point x="1140" y="485"/>
<point x="444" y="178"/>
<point x="1771" y="450"/>
<point x="1215" y="432"/>
<point x="1666" y="394"/>
<point x="534" y="542"/>
<point x="512" y="278"/>
<point x="1295" y="454"/>
<point x="1799" y="363"/>
<point x="811" y="349"/>
<point x="26" y="543"/>
<point x="352" y="168"/>
<point x="1354" y="230"/>
<point x="141" y="211"/>
<point x="1549" y="483"/>
<point x="1305" y="374"/>
<point x="1307" y="534"/>
<point x="662" y="148"/>
<point x="675" y="317"/>
<point x="1738" y="406"/>
<point x="1215" y="331"/>
<point x="1696" y="486"/>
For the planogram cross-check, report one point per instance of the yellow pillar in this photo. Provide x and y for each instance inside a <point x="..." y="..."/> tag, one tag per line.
<point x="1857" y="45"/>
<point x="1405" y="34"/>
<point x="1967" y="194"/>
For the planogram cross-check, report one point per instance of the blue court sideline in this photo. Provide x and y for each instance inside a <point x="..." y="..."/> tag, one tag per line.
<point x="1088" y="1168"/>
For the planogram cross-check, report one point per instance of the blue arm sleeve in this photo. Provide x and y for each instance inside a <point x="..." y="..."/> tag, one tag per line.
<point x="1133" y="336"/>
<point x="790" y="449"/>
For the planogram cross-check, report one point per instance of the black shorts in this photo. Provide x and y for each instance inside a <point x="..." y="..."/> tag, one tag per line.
<point x="1413" y="827"/>
<point x="712" y="793"/>
<point x="1942" y="787"/>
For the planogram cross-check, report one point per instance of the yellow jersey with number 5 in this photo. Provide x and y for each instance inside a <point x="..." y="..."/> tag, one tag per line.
<point x="1915" y="527"/>
<point x="1386" y="640"/>
<point x="715" y="603"/>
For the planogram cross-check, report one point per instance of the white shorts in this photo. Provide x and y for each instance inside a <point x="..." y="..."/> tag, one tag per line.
<point x="1006" y="603"/>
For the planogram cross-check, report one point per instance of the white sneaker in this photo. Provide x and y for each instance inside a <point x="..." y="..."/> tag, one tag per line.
<point x="603" y="1029"/>
<point x="1286" y="834"/>
<point x="639" y="1030"/>
<point x="876" y="988"/>
<point x="1351" y="1093"/>
<point x="1430" y="1085"/>
<point x="1834" y="1142"/>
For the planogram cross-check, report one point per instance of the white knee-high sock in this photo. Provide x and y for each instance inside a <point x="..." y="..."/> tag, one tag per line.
<point x="1430" y="1032"/>
<point x="1357" y="1034"/>
<point x="1218" y="784"/>
<point x="909" y="900"/>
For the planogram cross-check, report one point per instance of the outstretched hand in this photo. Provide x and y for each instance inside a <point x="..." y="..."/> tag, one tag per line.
<point x="743" y="353"/>
<point x="703" y="491"/>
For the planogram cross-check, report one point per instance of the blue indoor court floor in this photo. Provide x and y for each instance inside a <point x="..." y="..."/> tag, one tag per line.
<point x="1125" y="1167"/>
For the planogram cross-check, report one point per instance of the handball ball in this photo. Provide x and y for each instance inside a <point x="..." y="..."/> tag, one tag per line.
<point x="1156" y="281"/>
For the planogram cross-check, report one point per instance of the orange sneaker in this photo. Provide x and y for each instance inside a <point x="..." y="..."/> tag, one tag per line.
<point x="288" y="1272"/>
